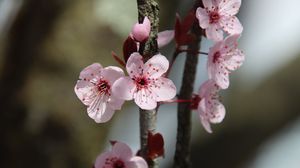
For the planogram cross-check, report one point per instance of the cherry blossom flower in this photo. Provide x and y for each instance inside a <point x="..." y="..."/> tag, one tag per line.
<point x="145" y="83"/>
<point x="94" y="90"/>
<point x="141" y="32"/>
<point x="223" y="58"/>
<point x="120" y="156"/>
<point x="217" y="15"/>
<point x="210" y="109"/>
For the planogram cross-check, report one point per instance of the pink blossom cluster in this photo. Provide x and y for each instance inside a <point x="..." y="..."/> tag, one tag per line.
<point x="223" y="58"/>
<point x="105" y="89"/>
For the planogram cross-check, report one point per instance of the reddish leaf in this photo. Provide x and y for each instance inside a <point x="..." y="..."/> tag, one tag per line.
<point x="186" y="39"/>
<point x="177" y="28"/>
<point x="182" y="36"/>
<point x="129" y="47"/>
<point x="118" y="59"/>
<point x="188" y="22"/>
<point x="156" y="145"/>
<point x="195" y="102"/>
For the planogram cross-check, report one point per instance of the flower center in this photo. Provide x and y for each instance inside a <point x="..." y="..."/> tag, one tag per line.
<point x="216" y="57"/>
<point x="118" y="164"/>
<point x="103" y="87"/>
<point x="141" y="82"/>
<point x="214" y="17"/>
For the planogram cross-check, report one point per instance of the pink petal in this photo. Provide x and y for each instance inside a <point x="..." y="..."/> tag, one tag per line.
<point x="164" y="38"/>
<point x="231" y="25"/>
<point x="100" y="161"/>
<point x="134" y="65"/>
<point x="218" y="113"/>
<point x="229" y="7"/>
<point x="156" y="66"/>
<point x="137" y="162"/>
<point x="145" y="99"/>
<point x="236" y="60"/>
<point x="214" y="33"/>
<point x="207" y="88"/>
<point x="115" y="103"/>
<point x="85" y="91"/>
<point x="124" y="88"/>
<point x="231" y="41"/>
<point x="122" y="151"/>
<point x="203" y="17"/>
<point x="99" y="111"/>
<point x="233" y="57"/>
<point x="164" y="90"/>
<point x="112" y="73"/>
<point x="90" y="72"/>
<point x="206" y="125"/>
<point x="203" y="115"/>
<point x="140" y="32"/>
<point x="221" y="77"/>
<point x="209" y="4"/>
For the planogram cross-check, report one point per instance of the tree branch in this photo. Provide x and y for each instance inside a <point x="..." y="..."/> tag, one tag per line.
<point x="148" y="118"/>
<point x="182" y="152"/>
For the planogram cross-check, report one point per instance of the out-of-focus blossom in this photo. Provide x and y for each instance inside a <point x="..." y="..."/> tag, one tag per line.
<point x="164" y="38"/>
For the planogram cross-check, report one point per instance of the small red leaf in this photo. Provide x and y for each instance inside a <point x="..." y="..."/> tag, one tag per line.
<point x="186" y="39"/>
<point x="118" y="59"/>
<point x="129" y="47"/>
<point x="156" y="145"/>
<point x="177" y="28"/>
<point x="195" y="102"/>
<point x="188" y="22"/>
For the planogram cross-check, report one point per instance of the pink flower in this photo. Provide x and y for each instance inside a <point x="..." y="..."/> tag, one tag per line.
<point x="120" y="156"/>
<point x="141" y="32"/>
<point x="145" y="83"/>
<point x="210" y="109"/>
<point x="217" y="15"/>
<point x="94" y="90"/>
<point x="223" y="58"/>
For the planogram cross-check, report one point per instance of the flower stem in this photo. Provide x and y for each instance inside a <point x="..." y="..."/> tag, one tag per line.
<point x="182" y="152"/>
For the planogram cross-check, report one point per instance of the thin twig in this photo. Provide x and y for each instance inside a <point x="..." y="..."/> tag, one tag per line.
<point x="182" y="152"/>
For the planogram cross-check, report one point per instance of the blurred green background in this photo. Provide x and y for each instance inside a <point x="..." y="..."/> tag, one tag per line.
<point x="44" y="44"/>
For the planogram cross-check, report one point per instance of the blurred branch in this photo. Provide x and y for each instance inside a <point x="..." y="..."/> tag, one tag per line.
<point x="30" y="29"/>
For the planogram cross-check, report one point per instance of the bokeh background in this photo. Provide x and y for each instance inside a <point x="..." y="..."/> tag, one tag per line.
<point x="44" y="44"/>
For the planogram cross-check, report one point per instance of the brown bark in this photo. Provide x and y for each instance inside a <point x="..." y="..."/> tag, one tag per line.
<point x="148" y="118"/>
